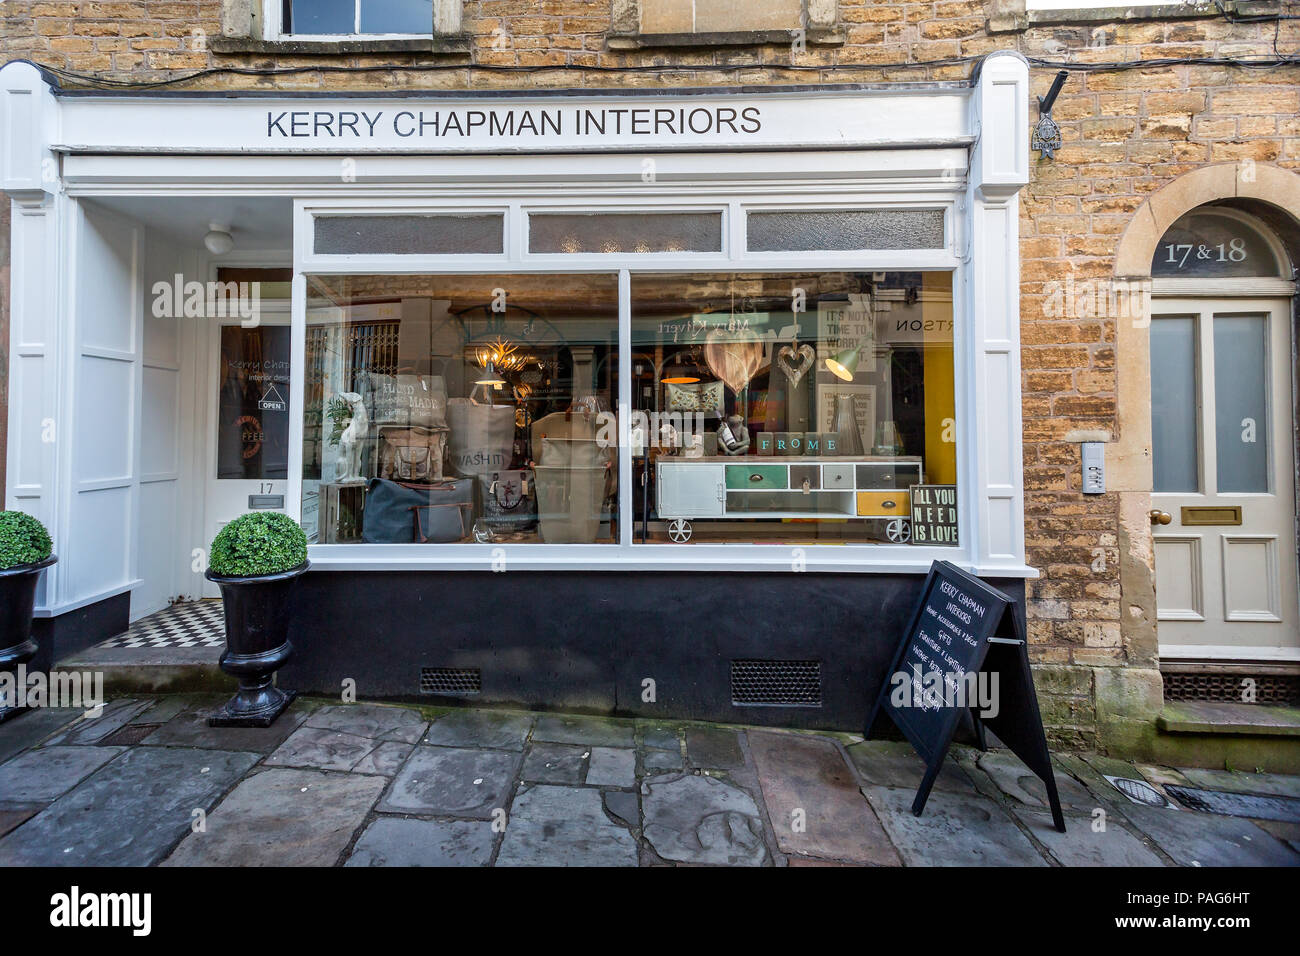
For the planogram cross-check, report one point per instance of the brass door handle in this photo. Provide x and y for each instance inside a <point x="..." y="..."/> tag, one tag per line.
<point x="1160" y="517"/>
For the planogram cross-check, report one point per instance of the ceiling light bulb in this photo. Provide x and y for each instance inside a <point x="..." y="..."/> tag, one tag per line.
<point x="218" y="241"/>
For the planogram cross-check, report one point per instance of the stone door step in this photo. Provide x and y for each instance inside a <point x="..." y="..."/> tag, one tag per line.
<point x="1213" y="717"/>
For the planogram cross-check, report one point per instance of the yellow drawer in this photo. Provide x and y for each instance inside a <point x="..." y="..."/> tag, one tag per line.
<point x="883" y="504"/>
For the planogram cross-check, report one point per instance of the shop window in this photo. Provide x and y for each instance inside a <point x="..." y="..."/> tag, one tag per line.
<point x="409" y="235"/>
<point x="848" y="230"/>
<point x="813" y="407"/>
<point x="455" y="408"/>
<point x="625" y="232"/>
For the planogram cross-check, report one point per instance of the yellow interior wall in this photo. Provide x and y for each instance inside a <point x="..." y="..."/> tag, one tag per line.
<point x="940" y="388"/>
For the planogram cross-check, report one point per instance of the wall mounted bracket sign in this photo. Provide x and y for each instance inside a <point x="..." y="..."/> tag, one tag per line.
<point x="1047" y="135"/>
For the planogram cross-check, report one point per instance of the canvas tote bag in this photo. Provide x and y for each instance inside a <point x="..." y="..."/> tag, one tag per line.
<point x="482" y="438"/>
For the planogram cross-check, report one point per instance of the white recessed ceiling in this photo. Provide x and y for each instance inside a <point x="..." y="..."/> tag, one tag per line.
<point x="257" y="223"/>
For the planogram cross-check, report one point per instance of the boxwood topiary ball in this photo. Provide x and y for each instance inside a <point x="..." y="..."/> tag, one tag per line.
<point x="23" y="540"/>
<point x="258" y="543"/>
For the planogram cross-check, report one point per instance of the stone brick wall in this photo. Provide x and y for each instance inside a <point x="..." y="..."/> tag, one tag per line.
<point x="1126" y="134"/>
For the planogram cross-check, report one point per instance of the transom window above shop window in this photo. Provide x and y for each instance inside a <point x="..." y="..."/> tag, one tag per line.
<point x="357" y="17"/>
<point x="625" y="232"/>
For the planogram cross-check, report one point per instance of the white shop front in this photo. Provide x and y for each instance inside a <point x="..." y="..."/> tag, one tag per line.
<point x="690" y="335"/>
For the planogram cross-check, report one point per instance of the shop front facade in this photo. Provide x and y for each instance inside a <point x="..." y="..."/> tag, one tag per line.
<point x="642" y="395"/>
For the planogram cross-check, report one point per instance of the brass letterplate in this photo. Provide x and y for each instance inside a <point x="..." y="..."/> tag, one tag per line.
<point x="1192" y="517"/>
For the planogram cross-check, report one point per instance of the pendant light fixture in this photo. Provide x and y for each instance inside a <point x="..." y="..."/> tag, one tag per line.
<point x="490" y="377"/>
<point x="845" y="363"/>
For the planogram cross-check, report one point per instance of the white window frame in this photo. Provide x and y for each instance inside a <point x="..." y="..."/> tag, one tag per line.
<point x="273" y="17"/>
<point x="732" y="201"/>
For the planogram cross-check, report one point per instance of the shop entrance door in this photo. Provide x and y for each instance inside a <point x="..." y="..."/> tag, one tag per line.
<point x="1224" y="511"/>
<point x="248" y="423"/>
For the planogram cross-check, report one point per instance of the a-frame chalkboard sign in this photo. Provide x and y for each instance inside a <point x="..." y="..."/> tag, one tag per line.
<point x="962" y="633"/>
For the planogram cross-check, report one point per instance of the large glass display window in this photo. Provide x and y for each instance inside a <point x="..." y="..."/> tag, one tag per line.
<point x="444" y="409"/>
<point x="794" y="407"/>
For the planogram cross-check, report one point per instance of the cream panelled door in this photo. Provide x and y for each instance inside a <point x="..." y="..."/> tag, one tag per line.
<point x="1224" y="474"/>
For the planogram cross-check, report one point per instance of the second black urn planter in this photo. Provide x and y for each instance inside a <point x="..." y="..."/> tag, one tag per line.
<point x="257" y="644"/>
<point x="17" y="600"/>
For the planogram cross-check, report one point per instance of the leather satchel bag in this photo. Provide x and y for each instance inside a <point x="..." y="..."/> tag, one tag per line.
<point x="397" y="513"/>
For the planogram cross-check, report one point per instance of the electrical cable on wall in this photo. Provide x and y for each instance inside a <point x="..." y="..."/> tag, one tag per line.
<point x="1279" y="59"/>
<point x="106" y="83"/>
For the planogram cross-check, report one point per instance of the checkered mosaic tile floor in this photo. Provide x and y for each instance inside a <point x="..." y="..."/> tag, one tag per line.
<point x="192" y="624"/>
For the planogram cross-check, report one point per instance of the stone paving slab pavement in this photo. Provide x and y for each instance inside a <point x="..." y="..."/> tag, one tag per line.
<point x="31" y="728"/>
<point x="44" y="775"/>
<point x="376" y="721"/>
<point x="190" y="729"/>
<point x="956" y="829"/>
<point x="588" y="731"/>
<point x="382" y="785"/>
<point x="399" y="841"/>
<point x="480" y="728"/>
<point x="1207" y="839"/>
<point x="455" y="783"/>
<point x="285" y="817"/>
<point x="564" y="826"/>
<point x="1084" y="845"/>
<point x="323" y="749"/>
<point x="814" y="801"/>
<point x="11" y="819"/>
<point x="893" y="763"/>
<point x="696" y="819"/>
<point x="130" y="812"/>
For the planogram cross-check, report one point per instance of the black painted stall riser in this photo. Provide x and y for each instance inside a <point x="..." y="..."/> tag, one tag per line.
<point x="588" y="641"/>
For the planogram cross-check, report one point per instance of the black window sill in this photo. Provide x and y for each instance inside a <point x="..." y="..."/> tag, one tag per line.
<point x="458" y="44"/>
<point x="644" y="41"/>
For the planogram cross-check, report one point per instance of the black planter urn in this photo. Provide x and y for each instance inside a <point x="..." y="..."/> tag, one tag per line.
<point x="17" y="599"/>
<point x="257" y="644"/>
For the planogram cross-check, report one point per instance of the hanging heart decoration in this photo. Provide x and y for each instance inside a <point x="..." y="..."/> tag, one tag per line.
<point x="731" y="358"/>
<point x="794" y="371"/>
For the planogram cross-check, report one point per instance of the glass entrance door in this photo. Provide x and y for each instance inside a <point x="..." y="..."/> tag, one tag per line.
<point x="250" y="421"/>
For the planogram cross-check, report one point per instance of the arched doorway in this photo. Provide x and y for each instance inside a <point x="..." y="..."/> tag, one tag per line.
<point x="1222" y="391"/>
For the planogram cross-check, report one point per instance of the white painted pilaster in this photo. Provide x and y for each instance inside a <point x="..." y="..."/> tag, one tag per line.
<point x="999" y="169"/>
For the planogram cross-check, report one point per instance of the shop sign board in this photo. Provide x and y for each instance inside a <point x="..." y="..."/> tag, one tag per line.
<point x="457" y="123"/>
<point x="963" y="659"/>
